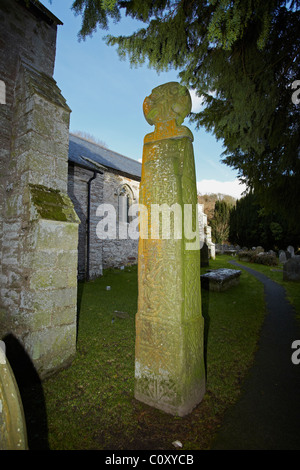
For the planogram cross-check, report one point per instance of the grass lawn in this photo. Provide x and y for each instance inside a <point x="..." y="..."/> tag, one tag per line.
<point x="91" y="404"/>
<point x="276" y="274"/>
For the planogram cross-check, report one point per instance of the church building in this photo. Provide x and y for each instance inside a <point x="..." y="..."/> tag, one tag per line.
<point x="99" y="180"/>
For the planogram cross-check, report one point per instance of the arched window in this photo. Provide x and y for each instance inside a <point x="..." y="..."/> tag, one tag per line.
<point x="125" y="198"/>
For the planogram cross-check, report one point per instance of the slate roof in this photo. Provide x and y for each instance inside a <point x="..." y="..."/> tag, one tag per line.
<point x="95" y="157"/>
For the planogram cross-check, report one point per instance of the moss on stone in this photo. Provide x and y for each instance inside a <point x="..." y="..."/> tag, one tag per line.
<point x="52" y="204"/>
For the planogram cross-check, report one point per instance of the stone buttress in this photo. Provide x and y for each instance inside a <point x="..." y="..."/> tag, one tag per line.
<point x="38" y="224"/>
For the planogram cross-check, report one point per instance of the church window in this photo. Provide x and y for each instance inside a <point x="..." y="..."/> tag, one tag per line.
<point x="124" y="201"/>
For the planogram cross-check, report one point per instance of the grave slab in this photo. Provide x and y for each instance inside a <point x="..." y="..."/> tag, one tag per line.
<point x="220" y="280"/>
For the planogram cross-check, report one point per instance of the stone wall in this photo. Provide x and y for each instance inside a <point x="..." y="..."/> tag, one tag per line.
<point x="39" y="227"/>
<point x="119" y="252"/>
<point x="79" y="179"/>
<point x="96" y="254"/>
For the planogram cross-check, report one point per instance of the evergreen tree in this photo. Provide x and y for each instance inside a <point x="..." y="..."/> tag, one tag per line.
<point x="220" y="222"/>
<point x="251" y="225"/>
<point x="245" y="222"/>
<point x="243" y="57"/>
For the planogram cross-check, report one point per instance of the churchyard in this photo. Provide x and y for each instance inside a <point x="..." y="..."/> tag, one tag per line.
<point x="127" y="360"/>
<point x="91" y="404"/>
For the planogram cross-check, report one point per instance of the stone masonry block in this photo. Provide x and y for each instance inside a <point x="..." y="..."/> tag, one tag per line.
<point x="44" y="259"/>
<point x="67" y="259"/>
<point x="50" y="300"/>
<point x="59" y="235"/>
<point x="36" y="320"/>
<point x="64" y="316"/>
<point x="46" y="279"/>
<point x="51" y="348"/>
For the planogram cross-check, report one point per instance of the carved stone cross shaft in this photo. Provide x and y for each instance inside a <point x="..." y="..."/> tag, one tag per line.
<point x="169" y="361"/>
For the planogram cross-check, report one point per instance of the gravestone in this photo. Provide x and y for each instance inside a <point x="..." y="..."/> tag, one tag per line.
<point x="219" y="280"/>
<point x="291" y="251"/>
<point x="169" y="361"/>
<point x="291" y="269"/>
<point x="204" y="255"/>
<point x="282" y="256"/>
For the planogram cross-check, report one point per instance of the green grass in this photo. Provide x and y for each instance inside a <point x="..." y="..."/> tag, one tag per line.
<point x="91" y="404"/>
<point x="276" y="274"/>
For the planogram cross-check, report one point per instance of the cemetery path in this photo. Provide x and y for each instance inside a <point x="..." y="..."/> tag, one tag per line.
<point x="267" y="415"/>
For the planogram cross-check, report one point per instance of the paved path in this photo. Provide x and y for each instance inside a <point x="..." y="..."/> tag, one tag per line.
<point x="267" y="415"/>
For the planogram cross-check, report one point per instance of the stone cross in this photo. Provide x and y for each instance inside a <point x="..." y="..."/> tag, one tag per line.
<point x="169" y="361"/>
<point x="13" y="433"/>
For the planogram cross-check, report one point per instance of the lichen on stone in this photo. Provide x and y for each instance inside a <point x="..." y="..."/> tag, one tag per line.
<point x="52" y="204"/>
<point x="45" y="86"/>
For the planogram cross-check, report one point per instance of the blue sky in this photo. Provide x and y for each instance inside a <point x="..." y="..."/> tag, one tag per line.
<point x="106" y="97"/>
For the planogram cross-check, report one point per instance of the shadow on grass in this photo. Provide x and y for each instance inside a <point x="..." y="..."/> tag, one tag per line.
<point x="205" y="314"/>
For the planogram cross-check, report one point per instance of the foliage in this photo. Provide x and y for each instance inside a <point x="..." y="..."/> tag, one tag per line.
<point x="241" y="57"/>
<point x="90" y="138"/>
<point x="265" y="258"/>
<point x="220" y="222"/>
<point x="260" y="258"/>
<point x="252" y="225"/>
<point x="95" y="13"/>
<point x="209" y="201"/>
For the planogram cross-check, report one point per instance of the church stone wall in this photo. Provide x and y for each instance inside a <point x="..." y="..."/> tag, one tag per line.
<point x="119" y="252"/>
<point x="79" y="179"/>
<point x="104" y="189"/>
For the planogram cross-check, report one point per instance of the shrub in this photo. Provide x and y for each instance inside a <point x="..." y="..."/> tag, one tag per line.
<point x="267" y="259"/>
<point x="246" y="256"/>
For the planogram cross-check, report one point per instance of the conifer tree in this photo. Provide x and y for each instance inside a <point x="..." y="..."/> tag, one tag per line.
<point x="242" y="57"/>
<point x="220" y="222"/>
<point x="251" y="225"/>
